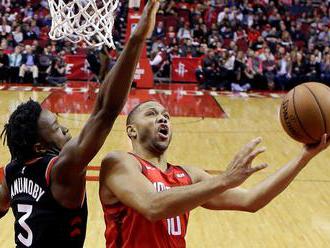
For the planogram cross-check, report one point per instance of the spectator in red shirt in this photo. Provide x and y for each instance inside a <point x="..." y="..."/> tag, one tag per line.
<point x="210" y="16"/>
<point x="253" y="35"/>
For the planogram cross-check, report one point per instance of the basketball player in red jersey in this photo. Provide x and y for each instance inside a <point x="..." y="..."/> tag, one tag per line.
<point x="146" y="200"/>
<point x="46" y="178"/>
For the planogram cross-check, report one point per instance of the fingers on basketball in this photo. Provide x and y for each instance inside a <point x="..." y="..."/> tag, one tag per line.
<point x="325" y="141"/>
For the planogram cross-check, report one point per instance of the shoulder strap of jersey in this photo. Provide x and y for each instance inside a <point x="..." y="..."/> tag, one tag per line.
<point x="49" y="169"/>
<point x="7" y="171"/>
<point x="183" y="170"/>
<point x="143" y="163"/>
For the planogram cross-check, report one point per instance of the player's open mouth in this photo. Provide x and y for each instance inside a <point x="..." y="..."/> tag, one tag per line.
<point x="163" y="131"/>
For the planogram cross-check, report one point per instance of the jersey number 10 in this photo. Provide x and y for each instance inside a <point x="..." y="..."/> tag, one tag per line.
<point x="174" y="226"/>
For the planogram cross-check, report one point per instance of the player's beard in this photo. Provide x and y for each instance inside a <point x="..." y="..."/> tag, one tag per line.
<point x="160" y="147"/>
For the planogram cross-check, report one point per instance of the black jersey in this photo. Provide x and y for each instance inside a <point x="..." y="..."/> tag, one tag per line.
<point x="40" y="221"/>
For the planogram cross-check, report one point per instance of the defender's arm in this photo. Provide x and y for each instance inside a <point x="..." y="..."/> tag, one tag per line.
<point x="68" y="173"/>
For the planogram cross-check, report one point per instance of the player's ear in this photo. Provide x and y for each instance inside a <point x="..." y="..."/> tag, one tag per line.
<point x="131" y="131"/>
<point x="39" y="148"/>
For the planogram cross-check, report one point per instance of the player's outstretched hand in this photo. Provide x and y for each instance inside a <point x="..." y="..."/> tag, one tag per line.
<point x="310" y="151"/>
<point x="148" y="19"/>
<point x="241" y="167"/>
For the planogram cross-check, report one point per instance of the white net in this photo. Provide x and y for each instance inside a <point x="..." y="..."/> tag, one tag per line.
<point x="83" y="20"/>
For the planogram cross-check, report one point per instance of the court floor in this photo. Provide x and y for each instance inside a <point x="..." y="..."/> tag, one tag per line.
<point x="208" y="138"/>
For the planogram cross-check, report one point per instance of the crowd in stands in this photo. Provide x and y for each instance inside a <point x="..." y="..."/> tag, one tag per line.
<point x="245" y="44"/>
<point x="262" y="44"/>
<point x="26" y="52"/>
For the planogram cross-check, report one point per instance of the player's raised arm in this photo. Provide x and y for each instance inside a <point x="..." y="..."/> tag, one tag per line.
<point x="257" y="197"/>
<point x="138" y="192"/>
<point x="69" y="169"/>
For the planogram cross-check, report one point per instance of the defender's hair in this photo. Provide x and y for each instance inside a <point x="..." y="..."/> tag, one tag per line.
<point x="21" y="131"/>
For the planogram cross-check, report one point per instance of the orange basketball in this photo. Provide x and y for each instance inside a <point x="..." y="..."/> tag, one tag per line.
<point x="305" y="112"/>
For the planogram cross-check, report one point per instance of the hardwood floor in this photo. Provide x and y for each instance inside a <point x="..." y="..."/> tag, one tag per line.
<point x="299" y="217"/>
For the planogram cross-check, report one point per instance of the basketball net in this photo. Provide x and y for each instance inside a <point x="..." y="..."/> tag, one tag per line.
<point x="90" y="21"/>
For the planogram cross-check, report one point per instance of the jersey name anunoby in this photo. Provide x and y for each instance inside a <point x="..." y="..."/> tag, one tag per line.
<point x="27" y="186"/>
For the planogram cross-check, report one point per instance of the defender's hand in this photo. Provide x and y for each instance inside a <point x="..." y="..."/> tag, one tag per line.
<point x="151" y="10"/>
<point x="148" y="19"/>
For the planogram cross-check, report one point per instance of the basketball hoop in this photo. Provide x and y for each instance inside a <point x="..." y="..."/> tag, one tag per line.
<point x="90" y="21"/>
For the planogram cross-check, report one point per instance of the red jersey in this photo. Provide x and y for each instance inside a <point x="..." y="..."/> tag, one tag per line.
<point x="126" y="228"/>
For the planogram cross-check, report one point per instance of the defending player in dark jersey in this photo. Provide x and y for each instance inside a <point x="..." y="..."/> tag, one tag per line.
<point x="40" y="220"/>
<point x="45" y="181"/>
<point x="146" y="200"/>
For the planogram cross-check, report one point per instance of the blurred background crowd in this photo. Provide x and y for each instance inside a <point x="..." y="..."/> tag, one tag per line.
<point x="28" y="55"/>
<point x="246" y="44"/>
<point x="243" y="45"/>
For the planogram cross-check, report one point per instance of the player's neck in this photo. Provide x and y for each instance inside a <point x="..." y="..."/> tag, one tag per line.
<point x="159" y="160"/>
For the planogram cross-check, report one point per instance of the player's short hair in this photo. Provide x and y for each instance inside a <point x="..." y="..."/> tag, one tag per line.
<point x="21" y="132"/>
<point x="131" y="114"/>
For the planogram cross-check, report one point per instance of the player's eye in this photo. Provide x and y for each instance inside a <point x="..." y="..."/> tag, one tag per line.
<point x="57" y="127"/>
<point x="150" y="113"/>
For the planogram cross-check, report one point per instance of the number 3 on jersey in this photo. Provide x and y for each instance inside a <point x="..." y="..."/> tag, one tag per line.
<point x="27" y="209"/>
<point x="174" y="226"/>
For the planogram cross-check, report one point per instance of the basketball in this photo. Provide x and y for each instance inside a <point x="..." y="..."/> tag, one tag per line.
<point x="305" y="112"/>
